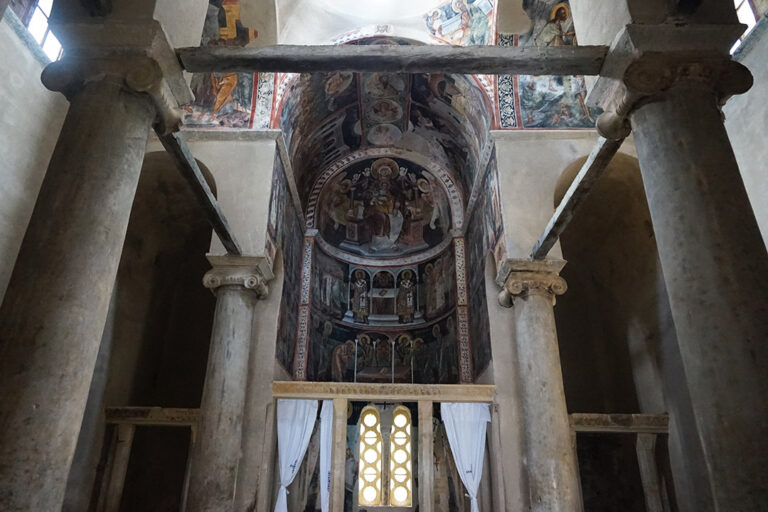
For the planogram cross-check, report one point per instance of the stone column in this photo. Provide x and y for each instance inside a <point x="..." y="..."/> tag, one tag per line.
<point x="55" y="308"/>
<point x="713" y="257"/>
<point x="530" y="290"/>
<point x="216" y="454"/>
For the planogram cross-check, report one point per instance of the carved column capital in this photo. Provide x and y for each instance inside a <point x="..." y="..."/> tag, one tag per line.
<point x="140" y="75"/>
<point x="532" y="278"/>
<point x="134" y="54"/>
<point x="647" y="61"/>
<point x="240" y="271"/>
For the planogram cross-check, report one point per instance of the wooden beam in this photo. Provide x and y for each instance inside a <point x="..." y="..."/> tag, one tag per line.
<point x="580" y="188"/>
<point x="152" y="416"/>
<point x="121" y="456"/>
<point x="338" y="455"/>
<point x="175" y="145"/>
<point x="649" y="472"/>
<point x="491" y="60"/>
<point x="620" y="423"/>
<point x="426" y="464"/>
<point x="383" y="392"/>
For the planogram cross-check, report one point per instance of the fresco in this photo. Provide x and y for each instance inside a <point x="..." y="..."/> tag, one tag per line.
<point x="427" y="354"/>
<point x="285" y="232"/>
<point x="222" y="99"/>
<point x="545" y="101"/>
<point x="408" y="309"/>
<point x="384" y="207"/>
<point x="462" y="22"/>
<point x="325" y="116"/>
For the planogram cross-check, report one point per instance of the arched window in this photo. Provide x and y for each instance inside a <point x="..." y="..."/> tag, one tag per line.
<point x="370" y="457"/>
<point x="400" y="467"/>
<point x="398" y="476"/>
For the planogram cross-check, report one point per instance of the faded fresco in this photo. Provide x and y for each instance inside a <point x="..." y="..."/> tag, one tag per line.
<point x="485" y="234"/>
<point x="325" y="116"/>
<point x="545" y="101"/>
<point x="383" y="323"/>
<point x="384" y="207"/>
<point x="222" y="99"/>
<point x="462" y="22"/>
<point x="285" y="233"/>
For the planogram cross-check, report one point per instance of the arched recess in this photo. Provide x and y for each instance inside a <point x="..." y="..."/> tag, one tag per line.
<point x="155" y="344"/>
<point x="384" y="166"/>
<point x="617" y="339"/>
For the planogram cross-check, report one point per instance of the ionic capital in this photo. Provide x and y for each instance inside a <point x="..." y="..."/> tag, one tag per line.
<point x="136" y="55"/>
<point x="647" y="61"/>
<point x="528" y="278"/>
<point x="239" y="271"/>
<point x="140" y="75"/>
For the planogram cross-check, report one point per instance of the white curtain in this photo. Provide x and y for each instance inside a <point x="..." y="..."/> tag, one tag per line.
<point x="326" y="444"/>
<point x="295" y="422"/>
<point x="465" y="429"/>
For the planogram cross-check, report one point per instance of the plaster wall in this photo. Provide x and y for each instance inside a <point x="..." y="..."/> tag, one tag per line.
<point x="530" y="164"/>
<point x="182" y="20"/>
<point x="30" y="120"/>
<point x="746" y="119"/>
<point x="241" y="164"/>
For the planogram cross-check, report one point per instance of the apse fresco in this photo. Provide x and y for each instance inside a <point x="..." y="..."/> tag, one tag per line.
<point x="397" y="322"/>
<point x="545" y="101"/>
<point x="285" y="233"/>
<point x="462" y="22"/>
<point x="384" y="207"/>
<point x="325" y="116"/>
<point x="223" y="99"/>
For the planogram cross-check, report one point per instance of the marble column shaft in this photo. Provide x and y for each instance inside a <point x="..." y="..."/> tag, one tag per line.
<point x="716" y="271"/>
<point x="217" y="451"/>
<point x="54" y="311"/>
<point x="550" y="460"/>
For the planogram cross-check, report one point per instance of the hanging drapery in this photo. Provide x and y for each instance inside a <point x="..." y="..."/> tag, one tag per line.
<point x="465" y="429"/>
<point x="326" y="445"/>
<point x="295" y="422"/>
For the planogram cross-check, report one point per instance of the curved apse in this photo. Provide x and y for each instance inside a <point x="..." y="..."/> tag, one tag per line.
<point x="384" y="165"/>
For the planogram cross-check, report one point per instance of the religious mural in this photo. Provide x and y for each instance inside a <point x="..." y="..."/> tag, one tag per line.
<point x="462" y="22"/>
<point x="384" y="207"/>
<point x="223" y="99"/>
<point x="285" y="233"/>
<point x="327" y="115"/>
<point x="376" y="324"/>
<point x="545" y="101"/>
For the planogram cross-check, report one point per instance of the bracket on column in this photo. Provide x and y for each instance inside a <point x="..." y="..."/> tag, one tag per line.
<point x="580" y="188"/>
<point x="176" y="146"/>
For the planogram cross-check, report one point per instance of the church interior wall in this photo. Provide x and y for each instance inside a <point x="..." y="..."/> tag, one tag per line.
<point x="746" y="118"/>
<point x="30" y="112"/>
<point x="530" y="164"/>
<point x="617" y="339"/>
<point x="241" y="162"/>
<point x="156" y="342"/>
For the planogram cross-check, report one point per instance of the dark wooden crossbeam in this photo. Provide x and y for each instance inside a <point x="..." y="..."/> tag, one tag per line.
<point x="580" y="188"/>
<point x="491" y="60"/>
<point x="175" y="145"/>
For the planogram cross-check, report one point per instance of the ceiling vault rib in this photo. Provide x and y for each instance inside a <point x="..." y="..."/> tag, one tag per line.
<point x="177" y="148"/>
<point x="580" y="188"/>
<point x="488" y="60"/>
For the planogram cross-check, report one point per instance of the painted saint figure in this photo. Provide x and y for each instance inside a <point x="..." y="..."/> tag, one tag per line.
<point x="406" y="298"/>
<point x="360" y="303"/>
